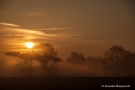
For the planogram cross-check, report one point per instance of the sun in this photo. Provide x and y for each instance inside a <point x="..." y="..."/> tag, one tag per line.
<point x="29" y="44"/>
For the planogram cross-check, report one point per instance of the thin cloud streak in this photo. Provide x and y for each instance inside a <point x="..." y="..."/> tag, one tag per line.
<point x="34" y="14"/>
<point x="20" y="13"/>
<point x="55" y="28"/>
<point x="22" y="31"/>
<point x="9" y="24"/>
<point x="19" y="33"/>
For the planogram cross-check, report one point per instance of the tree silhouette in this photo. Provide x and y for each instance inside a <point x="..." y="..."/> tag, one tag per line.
<point x="129" y="64"/>
<point x="118" y="61"/>
<point x="13" y="53"/>
<point x="47" y="56"/>
<point x="76" y="58"/>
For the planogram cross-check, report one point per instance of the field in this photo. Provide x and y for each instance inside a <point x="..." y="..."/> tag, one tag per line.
<point x="63" y="83"/>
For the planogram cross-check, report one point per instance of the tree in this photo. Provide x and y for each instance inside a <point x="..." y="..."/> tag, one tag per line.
<point x="47" y="56"/>
<point x="76" y="58"/>
<point x="116" y="59"/>
<point x="13" y="53"/>
<point x="128" y="64"/>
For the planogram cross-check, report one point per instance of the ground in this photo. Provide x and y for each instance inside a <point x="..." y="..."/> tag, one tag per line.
<point x="62" y="83"/>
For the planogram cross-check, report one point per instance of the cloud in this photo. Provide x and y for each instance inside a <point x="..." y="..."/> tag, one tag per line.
<point x="9" y="24"/>
<point x="22" y="34"/>
<point x="55" y="28"/>
<point x="34" y="14"/>
<point x="20" y="13"/>
<point x="14" y="38"/>
<point x="20" y="31"/>
<point x="63" y="36"/>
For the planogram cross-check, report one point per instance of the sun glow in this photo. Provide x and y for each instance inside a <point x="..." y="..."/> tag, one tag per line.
<point x="29" y="44"/>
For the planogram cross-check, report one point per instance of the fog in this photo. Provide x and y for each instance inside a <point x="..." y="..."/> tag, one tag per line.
<point x="15" y="67"/>
<point x="11" y="67"/>
<point x="92" y="70"/>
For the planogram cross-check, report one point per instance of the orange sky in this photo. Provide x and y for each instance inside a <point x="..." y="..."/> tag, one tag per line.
<point x="86" y="26"/>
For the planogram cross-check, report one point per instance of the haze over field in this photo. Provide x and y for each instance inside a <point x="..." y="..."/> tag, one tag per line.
<point x="15" y="67"/>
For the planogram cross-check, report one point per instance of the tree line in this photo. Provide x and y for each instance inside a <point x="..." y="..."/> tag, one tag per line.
<point x="116" y="61"/>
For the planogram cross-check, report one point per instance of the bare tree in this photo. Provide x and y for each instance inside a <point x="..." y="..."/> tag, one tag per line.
<point x="118" y="61"/>
<point x="13" y="53"/>
<point x="47" y="56"/>
<point x="76" y="58"/>
<point x="114" y="57"/>
<point x="128" y="64"/>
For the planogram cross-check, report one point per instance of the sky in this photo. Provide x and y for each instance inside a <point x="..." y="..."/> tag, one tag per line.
<point x="86" y="26"/>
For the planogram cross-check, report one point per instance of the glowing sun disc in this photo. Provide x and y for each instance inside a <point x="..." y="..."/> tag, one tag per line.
<point x="29" y="44"/>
